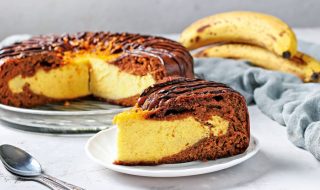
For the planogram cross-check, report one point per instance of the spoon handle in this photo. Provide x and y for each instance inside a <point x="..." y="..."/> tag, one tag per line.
<point x="51" y="184"/>
<point x="62" y="183"/>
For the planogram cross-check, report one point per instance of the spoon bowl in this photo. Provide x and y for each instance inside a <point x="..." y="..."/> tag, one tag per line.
<point x="19" y="162"/>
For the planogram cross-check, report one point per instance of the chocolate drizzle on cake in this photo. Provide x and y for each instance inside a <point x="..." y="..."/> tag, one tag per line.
<point x="157" y="95"/>
<point x="171" y="54"/>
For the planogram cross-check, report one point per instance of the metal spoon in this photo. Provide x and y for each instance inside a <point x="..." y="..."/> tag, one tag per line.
<point x="21" y="163"/>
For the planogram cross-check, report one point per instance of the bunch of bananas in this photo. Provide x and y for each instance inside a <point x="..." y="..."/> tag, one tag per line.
<point x="261" y="39"/>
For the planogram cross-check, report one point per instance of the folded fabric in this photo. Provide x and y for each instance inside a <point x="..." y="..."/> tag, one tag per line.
<point x="282" y="97"/>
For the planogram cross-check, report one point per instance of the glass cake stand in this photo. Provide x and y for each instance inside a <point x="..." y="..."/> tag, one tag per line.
<point x="78" y="117"/>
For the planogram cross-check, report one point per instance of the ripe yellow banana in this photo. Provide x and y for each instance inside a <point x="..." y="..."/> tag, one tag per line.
<point x="253" y="28"/>
<point x="302" y="65"/>
<point x="311" y="66"/>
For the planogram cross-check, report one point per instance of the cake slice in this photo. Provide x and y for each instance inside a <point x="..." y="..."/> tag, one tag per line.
<point x="182" y="120"/>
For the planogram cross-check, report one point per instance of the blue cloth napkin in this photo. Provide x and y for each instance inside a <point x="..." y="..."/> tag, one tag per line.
<point x="282" y="97"/>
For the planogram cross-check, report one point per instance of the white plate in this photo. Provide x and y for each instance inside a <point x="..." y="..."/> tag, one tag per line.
<point x="101" y="148"/>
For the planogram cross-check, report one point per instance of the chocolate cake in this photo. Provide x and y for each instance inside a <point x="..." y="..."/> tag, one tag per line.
<point x="182" y="120"/>
<point x="110" y="66"/>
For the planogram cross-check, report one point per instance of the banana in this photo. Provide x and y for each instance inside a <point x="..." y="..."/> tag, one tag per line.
<point x="301" y="65"/>
<point x="252" y="28"/>
<point x="311" y="66"/>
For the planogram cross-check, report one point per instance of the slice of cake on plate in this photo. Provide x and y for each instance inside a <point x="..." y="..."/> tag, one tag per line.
<point x="182" y="120"/>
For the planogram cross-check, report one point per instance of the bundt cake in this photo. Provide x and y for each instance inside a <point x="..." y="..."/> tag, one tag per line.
<point x="110" y="66"/>
<point x="182" y="120"/>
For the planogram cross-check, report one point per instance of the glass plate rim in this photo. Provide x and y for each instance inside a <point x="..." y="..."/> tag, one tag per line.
<point x="59" y="113"/>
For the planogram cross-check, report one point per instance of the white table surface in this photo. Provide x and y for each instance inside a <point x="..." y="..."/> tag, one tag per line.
<point x="278" y="166"/>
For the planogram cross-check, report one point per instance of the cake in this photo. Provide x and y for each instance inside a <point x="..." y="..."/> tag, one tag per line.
<point x="182" y="120"/>
<point x="114" y="67"/>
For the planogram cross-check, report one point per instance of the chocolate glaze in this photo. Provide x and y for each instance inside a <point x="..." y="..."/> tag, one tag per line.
<point x="175" y="58"/>
<point x="161" y="94"/>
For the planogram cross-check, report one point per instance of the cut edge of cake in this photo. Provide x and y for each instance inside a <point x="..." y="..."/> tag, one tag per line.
<point x="84" y="76"/>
